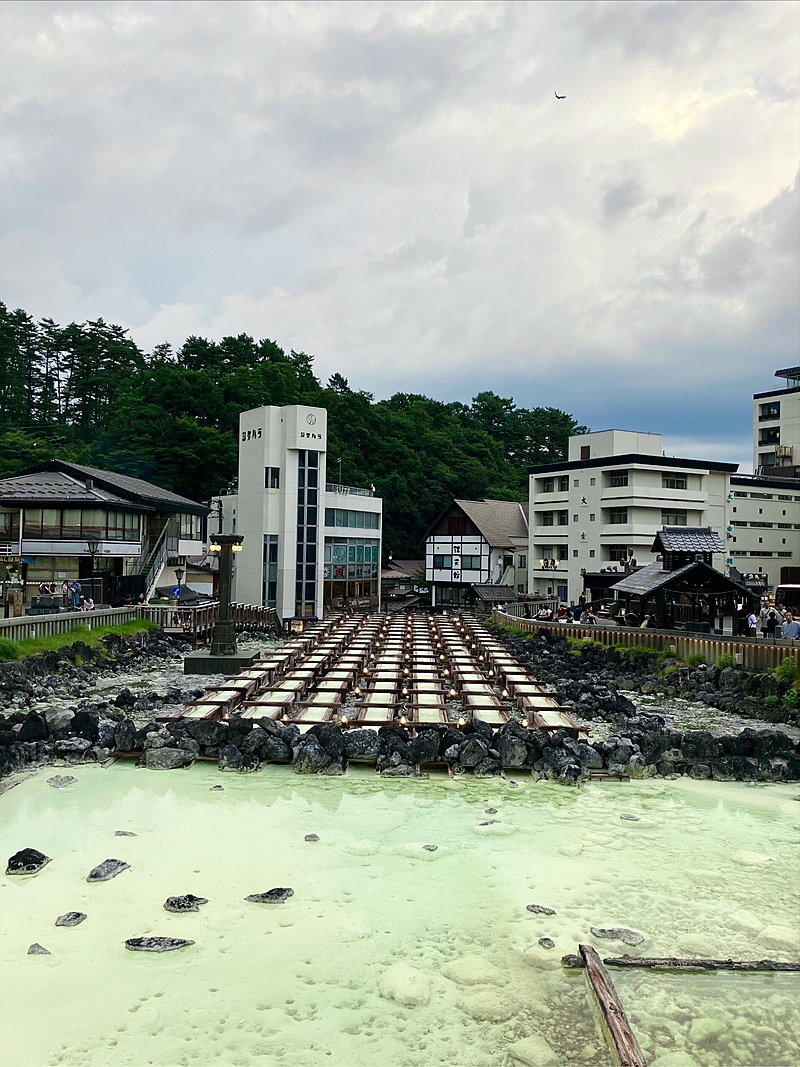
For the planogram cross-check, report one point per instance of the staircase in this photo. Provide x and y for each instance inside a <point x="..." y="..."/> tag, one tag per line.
<point x="152" y="563"/>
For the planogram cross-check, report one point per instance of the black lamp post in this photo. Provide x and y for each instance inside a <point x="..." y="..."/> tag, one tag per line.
<point x="179" y="573"/>
<point x="223" y="636"/>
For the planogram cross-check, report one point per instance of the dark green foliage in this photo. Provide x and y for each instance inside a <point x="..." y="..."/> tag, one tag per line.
<point x="87" y="393"/>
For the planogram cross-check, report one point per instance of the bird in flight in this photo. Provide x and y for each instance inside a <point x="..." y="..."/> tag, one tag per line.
<point x="560" y="97"/>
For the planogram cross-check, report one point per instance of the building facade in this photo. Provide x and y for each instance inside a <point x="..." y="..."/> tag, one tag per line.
<point x="115" y="534"/>
<point x="776" y="428"/>
<point x="595" y="517"/>
<point x="309" y="544"/>
<point x="476" y="542"/>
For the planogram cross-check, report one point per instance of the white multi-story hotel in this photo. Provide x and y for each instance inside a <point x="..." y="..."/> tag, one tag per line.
<point x="595" y="517"/>
<point x="309" y="544"/>
<point x="596" y="514"/>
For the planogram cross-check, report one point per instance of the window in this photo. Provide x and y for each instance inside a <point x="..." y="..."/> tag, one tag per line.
<point x="548" y="485"/>
<point x="674" y="517"/>
<point x="617" y="479"/>
<point x="617" y="553"/>
<point x="591" y="516"/>
<point x="591" y="553"/>
<point x="131" y="526"/>
<point x="575" y="553"/>
<point x="270" y="591"/>
<point x="673" y="481"/>
<point x="442" y="563"/>
<point x="770" y="436"/>
<point x="470" y="563"/>
<point x="617" y="516"/>
<point x="521" y="588"/>
<point x="562" y="552"/>
<point x="522" y="561"/>
<point x="359" y="520"/>
<point x="592" y="481"/>
<point x="32" y="526"/>
<point x="769" y="411"/>
<point x="574" y="518"/>
<point x="576" y="483"/>
<point x="272" y="480"/>
<point x="190" y="527"/>
<point x="586" y="451"/>
<point x="563" y="518"/>
<point x="563" y="484"/>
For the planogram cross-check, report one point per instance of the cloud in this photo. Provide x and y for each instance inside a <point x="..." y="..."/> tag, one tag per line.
<point x="394" y="188"/>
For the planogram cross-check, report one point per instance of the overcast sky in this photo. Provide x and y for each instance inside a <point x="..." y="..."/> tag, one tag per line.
<point x="394" y="188"/>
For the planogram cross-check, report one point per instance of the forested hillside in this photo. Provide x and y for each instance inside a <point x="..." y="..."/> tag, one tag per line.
<point x="88" y="393"/>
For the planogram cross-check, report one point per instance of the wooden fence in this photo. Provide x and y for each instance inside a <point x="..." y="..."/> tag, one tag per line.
<point x="64" y="621"/>
<point x="195" y="624"/>
<point x="753" y="653"/>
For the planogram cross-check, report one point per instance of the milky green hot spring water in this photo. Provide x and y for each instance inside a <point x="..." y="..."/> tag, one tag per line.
<point x="390" y="953"/>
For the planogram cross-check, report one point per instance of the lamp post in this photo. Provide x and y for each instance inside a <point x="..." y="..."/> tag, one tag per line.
<point x="179" y="573"/>
<point x="93" y="544"/>
<point x="223" y="636"/>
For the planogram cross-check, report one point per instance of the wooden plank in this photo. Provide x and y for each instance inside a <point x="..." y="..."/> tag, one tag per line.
<point x="621" y="1038"/>
<point x="669" y="963"/>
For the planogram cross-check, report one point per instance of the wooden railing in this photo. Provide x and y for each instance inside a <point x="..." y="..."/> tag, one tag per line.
<point x="753" y="653"/>
<point x="195" y="623"/>
<point x="65" y="621"/>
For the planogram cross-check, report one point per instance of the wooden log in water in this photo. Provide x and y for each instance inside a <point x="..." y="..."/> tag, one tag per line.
<point x="668" y="963"/>
<point x="615" y="1023"/>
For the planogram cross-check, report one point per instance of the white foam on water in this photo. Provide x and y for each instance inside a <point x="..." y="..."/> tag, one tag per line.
<point x="317" y="980"/>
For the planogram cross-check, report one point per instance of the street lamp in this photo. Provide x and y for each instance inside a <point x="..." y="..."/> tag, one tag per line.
<point x="179" y="573"/>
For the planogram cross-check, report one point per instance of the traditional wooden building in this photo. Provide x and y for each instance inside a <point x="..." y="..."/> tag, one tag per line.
<point x="682" y="589"/>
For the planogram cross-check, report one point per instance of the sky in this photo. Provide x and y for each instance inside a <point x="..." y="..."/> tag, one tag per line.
<point x="395" y="189"/>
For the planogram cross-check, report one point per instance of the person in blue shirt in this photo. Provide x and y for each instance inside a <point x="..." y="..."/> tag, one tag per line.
<point x="790" y="630"/>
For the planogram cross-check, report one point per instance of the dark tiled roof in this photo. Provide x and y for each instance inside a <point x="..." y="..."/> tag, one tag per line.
<point x="687" y="539"/>
<point x="648" y="579"/>
<point x="497" y="520"/>
<point x="788" y="372"/>
<point x="401" y="568"/>
<point x="496" y="594"/>
<point x="57" y="487"/>
<point x="134" y="489"/>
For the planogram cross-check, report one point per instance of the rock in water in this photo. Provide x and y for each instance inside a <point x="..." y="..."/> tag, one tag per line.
<point x="188" y="902"/>
<point x="539" y="909"/>
<point x="216" y="788"/>
<point x="311" y="837"/>
<point x="533" y="1051"/>
<point x="618" y="933"/>
<point x="630" y="818"/>
<point x="106" y="870"/>
<point x="272" y="896"/>
<point x="125" y="833"/>
<point x="156" y="944"/>
<point x="70" y="918"/>
<point x="547" y="942"/>
<point x="61" y="781"/>
<point x="27" y="861"/>
<point x="39" y="950"/>
<point x="430" y="848"/>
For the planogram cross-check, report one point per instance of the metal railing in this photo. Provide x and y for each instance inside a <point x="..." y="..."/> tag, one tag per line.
<point x="751" y="652"/>
<point x="333" y="487"/>
<point x="165" y="546"/>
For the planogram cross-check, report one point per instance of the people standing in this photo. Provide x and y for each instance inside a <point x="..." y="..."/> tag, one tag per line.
<point x="751" y="623"/>
<point x="790" y="630"/>
<point x="65" y="594"/>
<point x="75" y="595"/>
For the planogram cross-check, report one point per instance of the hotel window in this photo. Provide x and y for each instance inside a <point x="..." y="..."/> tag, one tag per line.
<point x="575" y="553"/>
<point x="673" y="481"/>
<point x="674" y="517"/>
<point x="522" y="561"/>
<point x="470" y="563"/>
<point x="546" y="517"/>
<point x="574" y="518"/>
<point x="591" y="516"/>
<point x="592" y="481"/>
<point x="616" y="479"/>
<point x="563" y="518"/>
<point x="442" y="563"/>
<point x="576" y="483"/>
<point x="617" y="553"/>
<point x="548" y="485"/>
<point x="272" y="477"/>
<point x="563" y="484"/>
<point x="617" y="516"/>
<point x="131" y="526"/>
<point x="769" y="411"/>
<point x="591" y="553"/>
<point x="586" y="451"/>
<point x="190" y="527"/>
<point x="360" y="520"/>
<point x="562" y="552"/>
